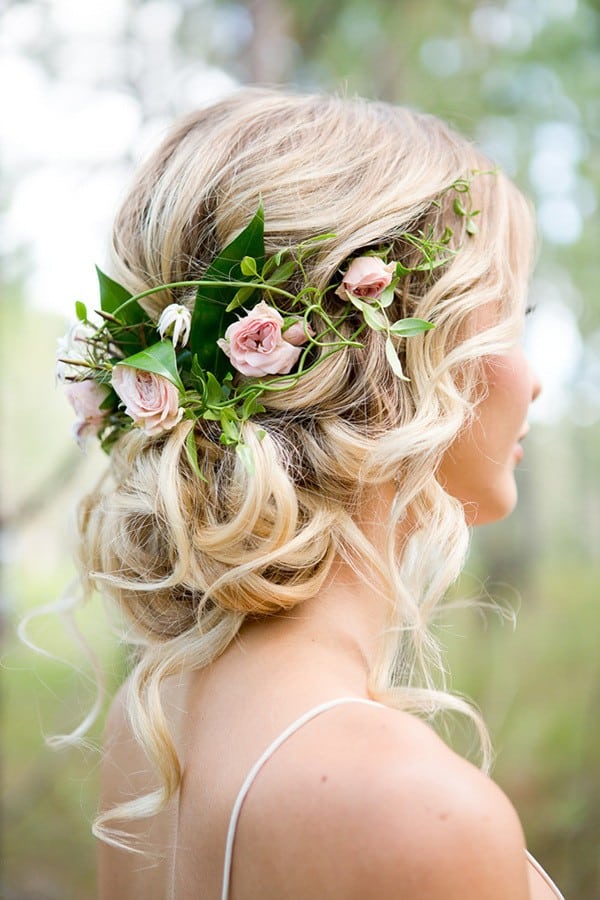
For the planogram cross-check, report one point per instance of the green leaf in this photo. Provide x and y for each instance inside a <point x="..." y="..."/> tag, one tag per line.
<point x="114" y="299"/>
<point x="184" y="360"/>
<point x="317" y="238"/>
<point x="251" y="407"/>
<point x="108" y="437"/>
<point x="130" y="328"/>
<point x="247" y="457"/>
<point x="214" y="393"/>
<point x="112" y="294"/>
<point x="410" y="327"/>
<point x="472" y="227"/>
<point x="248" y="266"/>
<point x="430" y="264"/>
<point x="110" y="402"/>
<point x="459" y="208"/>
<point x="327" y="236"/>
<point x="401" y="270"/>
<point x="197" y="370"/>
<point x="372" y="318"/>
<point x="81" y="311"/>
<point x="392" y="358"/>
<point x="159" y="359"/>
<point x="227" y="385"/>
<point x="240" y="297"/>
<point x="229" y="426"/>
<point x="271" y="264"/>
<point x="197" y="376"/>
<point x="283" y="272"/>
<point x="191" y="450"/>
<point x="387" y="296"/>
<point x="212" y="310"/>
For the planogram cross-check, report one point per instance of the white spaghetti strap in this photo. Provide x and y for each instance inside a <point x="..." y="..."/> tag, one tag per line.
<point x="237" y="806"/>
<point x="291" y="729"/>
<point x="543" y="874"/>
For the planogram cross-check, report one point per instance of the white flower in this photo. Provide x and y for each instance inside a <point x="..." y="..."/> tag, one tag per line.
<point x="73" y="348"/>
<point x="175" y="320"/>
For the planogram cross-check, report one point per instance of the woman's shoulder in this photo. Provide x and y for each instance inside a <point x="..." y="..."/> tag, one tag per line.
<point x="122" y="753"/>
<point x="382" y="808"/>
<point x="127" y="775"/>
<point x="119" y="744"/>
<point x="126" y="772"/>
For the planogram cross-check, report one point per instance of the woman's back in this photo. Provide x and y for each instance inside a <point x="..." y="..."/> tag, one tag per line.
<point x="361" y="801"/>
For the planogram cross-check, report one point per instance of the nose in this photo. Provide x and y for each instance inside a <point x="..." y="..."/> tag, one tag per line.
<point x="536" y="385"/>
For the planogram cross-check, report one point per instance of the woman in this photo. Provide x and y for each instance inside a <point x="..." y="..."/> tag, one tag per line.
<point x="282" y="517"/>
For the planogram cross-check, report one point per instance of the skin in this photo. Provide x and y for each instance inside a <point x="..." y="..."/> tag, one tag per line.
<point x="478" y="468"/>
<point x="362" y="803"/>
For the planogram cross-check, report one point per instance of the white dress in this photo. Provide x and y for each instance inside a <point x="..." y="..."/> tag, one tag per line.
<point x="290" y="730"/>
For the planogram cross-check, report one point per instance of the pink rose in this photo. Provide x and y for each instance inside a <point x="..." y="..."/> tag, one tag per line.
<point x="296" y="334"/>
<point x="151" y="400"/>
<point x="256" y="345"/>
<point x="367" y="277"/>
<point x="86" y="397"/>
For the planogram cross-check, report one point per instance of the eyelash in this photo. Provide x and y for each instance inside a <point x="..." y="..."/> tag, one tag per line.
<point x="530" y="310"/>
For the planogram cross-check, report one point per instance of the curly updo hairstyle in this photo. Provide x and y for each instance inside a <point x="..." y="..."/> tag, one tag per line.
<point x="186" y="560"/>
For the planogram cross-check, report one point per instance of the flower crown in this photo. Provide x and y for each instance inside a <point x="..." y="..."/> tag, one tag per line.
<point x="129" y="371"/>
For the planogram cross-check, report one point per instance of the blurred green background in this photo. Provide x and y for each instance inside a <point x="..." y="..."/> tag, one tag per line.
<point x="87" y="90"/>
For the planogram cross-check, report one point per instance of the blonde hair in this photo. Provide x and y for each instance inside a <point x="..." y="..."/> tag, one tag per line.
<point x="187" y="560"/>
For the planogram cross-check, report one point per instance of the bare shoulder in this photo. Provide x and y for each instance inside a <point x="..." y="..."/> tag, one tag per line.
<point x="126" y="775"/>
<point x="123" y="757"/>
<point x="117" y="725"/>
<point x="383" y="808"/>
<point x="125" y="769"/>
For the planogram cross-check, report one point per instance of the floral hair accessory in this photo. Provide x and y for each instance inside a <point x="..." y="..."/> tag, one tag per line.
<point x="175" y="321"/>
<point x="86" y="398"/>
<point x="367" y="277"/>
<point x="257" y="345"/>
<point x="128" y="371"/>
<point x="151" y="401"/>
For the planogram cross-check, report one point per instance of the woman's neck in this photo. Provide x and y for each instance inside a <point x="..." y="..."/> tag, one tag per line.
<point x="346" y="620"/>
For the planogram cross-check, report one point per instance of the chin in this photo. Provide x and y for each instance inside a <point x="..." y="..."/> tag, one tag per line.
<point x="493" y="507"/>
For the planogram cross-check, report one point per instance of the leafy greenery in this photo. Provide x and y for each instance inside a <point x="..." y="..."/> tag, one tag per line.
<point x="240" y="274"/>
<point x="212" y="310"/>
<point x="159" y="358"/>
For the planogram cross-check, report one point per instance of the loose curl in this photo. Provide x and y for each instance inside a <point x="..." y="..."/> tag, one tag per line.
<point x="188" y="560"/>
